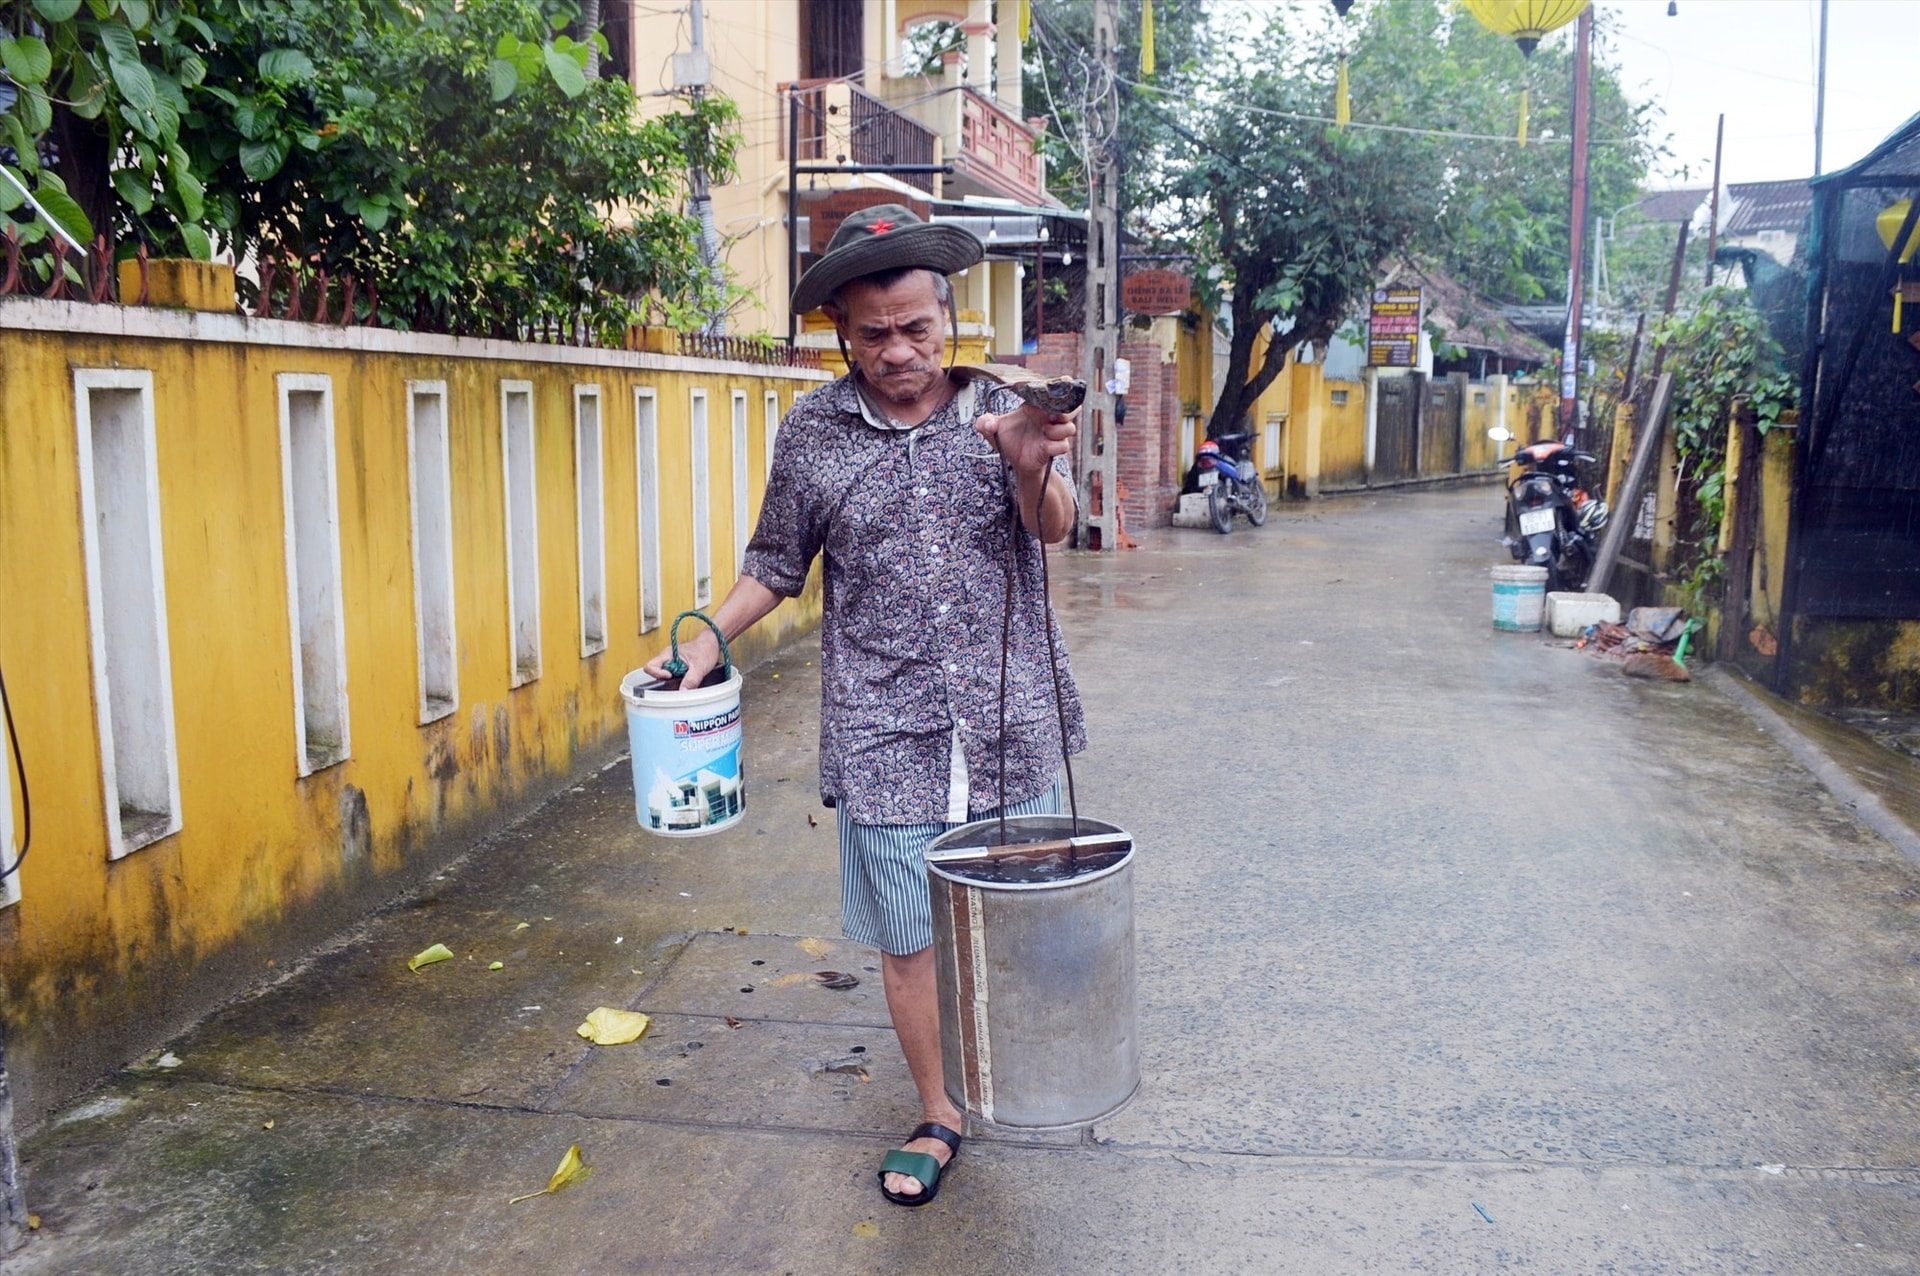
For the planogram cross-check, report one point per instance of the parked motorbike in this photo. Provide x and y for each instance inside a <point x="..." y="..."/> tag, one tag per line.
<point x="1552" y="521"/>
<point x="1223" y="468"/>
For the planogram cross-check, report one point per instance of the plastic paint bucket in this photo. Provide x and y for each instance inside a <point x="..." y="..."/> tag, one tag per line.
<point x="1519" y="598"/>
<point x="685" y="750"/>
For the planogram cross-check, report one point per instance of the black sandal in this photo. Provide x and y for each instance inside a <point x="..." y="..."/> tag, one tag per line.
<point x="920" y="1165"/>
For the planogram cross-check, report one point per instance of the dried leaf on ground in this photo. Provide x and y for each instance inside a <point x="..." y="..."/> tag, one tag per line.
<point x="606" y="1026"/>
<point x="838" y="980"/>
<point x="572" y="1170"/>
<point x="732" y="1022"/>
<point x="427" y="956"/>
<point x="852" y="1065"/>
<point x="815" y="948"/>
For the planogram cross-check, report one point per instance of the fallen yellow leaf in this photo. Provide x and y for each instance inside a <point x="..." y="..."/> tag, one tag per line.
<point x="572" y="1170"/>
<point x="266" y="1125"/>
<point x="426" y="957"/>
<point x="815" y="948"/>
<point x="33" y="1222"/>
<point x="606" y="1026"/>
<point x="523" y="925"/>
<point x="789" y="980"/>
<point x="866" y="1229"/>
<point x="496" y="965"/>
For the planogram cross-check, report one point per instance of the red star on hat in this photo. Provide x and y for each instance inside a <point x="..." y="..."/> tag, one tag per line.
<point x="882" y="226"/>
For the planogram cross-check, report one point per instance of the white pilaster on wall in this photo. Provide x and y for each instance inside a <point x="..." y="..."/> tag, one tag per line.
<point x="741" y="484"/>
<point x="310" y="512"/>
<point x="702" y="502"/>
<point x="773" y="426"/>
<point x="127" y="606"/>
<point x="523" y="528"/>
<point x="1370" y="380"/>
<point x="589" y="473"/>
<point x="430" y="491"/>
<point x="646" y="464"/>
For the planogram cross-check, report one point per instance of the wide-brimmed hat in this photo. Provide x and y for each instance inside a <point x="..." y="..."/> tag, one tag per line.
<point x="884" y="237"/>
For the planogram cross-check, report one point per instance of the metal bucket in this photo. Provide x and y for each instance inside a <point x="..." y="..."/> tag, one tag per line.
<point x="1036" y="981"/>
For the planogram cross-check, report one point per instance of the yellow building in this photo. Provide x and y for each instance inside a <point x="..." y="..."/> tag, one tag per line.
<point x="294" y="613"/>
<point x="834" y="85"/>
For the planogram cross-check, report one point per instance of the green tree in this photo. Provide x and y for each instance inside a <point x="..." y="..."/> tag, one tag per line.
<point x="1059" y="75"/>
<point x="1724" y="362"/>
<point x="454" y="153"/>
<point x="1297" y="215"/>
<point x="1501" y="217"/>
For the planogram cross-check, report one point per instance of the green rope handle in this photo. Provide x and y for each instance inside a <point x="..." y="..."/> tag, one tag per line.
<point x="678" y="667"/>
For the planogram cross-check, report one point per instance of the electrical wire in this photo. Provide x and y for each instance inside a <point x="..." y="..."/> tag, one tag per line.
<point x="1387" y="128"/>
<point x="26" y="802"/>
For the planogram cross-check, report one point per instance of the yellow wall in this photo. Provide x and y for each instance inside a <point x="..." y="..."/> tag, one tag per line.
<point x="755" y="47"/>
<point x="1343" y="434"/>
<point x="99" y="957"/>
<point x="1482" y="414"/>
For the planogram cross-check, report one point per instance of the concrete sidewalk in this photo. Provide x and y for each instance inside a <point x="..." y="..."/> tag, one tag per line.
<point x="1430" y="918"/>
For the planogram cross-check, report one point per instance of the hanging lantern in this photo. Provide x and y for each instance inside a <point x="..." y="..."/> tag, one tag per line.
<point x="1146" y="37"/>
<point x="1527" y="21"/>
<point x="1342" y="103"/>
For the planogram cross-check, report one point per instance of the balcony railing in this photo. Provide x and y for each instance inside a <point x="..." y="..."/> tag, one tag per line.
<point x="840" y="123"/>
<point x="997" y="150"/>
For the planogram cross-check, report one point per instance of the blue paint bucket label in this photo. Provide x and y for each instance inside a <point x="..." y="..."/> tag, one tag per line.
<point x="685" y="750"/>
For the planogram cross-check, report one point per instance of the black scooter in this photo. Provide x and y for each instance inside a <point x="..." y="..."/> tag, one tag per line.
<point x="1552" y="521"/>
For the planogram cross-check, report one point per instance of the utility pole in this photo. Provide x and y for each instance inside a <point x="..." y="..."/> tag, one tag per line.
<point x="1820" y="94"/>
<point x="1713" y="207"/>
<point x="1582" y="110"/>
<point x="1098" y="447"/>
<point x="693" y="72"/>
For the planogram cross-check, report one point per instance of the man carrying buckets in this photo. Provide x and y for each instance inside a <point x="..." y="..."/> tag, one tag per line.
<point x="908" y="481"/>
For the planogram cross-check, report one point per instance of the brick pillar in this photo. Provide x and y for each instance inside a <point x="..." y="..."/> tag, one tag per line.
<point x="1144" y="439"/>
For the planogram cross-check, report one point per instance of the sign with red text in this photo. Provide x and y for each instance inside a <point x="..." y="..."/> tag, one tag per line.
<point x="1393" y="328"/>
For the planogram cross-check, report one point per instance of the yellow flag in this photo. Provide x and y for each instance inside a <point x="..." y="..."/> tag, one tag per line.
<point x="1026" y="20"/>
<point x="1523" y="116"/>
<point x="1146" y="37"/>
<point x="1342" y="107"/>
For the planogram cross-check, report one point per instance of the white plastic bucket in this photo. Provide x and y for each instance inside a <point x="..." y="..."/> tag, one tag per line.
<point x="685" y="749"/>
<point x="1519" y="598"/>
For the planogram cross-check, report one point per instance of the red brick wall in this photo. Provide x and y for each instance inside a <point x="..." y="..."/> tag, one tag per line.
<point x="1147" y="442"/>
<point x="1058" y="356"/>
<point x="1148" y="437"/>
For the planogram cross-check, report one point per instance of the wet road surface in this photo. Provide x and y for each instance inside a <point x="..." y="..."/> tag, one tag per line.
<point x="1458" y="952"/>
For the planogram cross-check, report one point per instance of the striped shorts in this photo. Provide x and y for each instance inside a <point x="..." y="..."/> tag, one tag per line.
<point x="883" y="877"/>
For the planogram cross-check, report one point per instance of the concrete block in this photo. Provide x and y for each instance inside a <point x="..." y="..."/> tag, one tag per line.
<point x="1569" y="614"/>
<point x="1192" y="511"/>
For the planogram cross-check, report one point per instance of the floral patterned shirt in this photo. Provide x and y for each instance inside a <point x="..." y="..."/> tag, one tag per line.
<point x="913" y="525"/>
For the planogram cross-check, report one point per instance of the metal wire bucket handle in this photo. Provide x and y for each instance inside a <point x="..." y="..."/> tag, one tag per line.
<point x="1014" y="530"/>
<point x="678" y="667"/>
